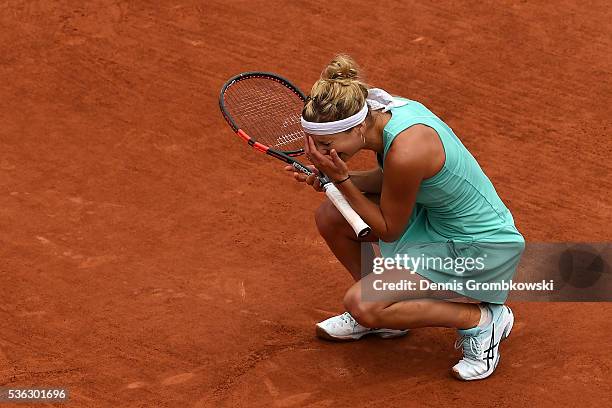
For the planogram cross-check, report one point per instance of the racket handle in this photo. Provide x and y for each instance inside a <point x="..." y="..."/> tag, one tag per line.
<point x="335" y="196"/>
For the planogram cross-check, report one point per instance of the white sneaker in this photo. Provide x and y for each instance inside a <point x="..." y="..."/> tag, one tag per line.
<point x="345" y="328"/>
<point x="481" y="345"/>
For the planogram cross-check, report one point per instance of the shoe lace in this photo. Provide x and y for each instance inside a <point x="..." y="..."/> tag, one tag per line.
<point x="348" y="319"/>
<point x="472" y="347"/>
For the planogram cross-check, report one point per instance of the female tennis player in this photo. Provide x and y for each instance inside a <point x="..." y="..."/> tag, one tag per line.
<point x="429" y="205"/>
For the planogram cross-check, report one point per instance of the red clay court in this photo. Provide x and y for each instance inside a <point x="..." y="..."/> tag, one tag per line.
<point x="131" y="270"/>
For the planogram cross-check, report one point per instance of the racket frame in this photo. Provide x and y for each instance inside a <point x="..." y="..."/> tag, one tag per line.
<point x="361" y="229"/>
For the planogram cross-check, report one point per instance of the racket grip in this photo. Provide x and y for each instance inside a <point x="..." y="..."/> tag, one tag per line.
<point x="335" y="196"/>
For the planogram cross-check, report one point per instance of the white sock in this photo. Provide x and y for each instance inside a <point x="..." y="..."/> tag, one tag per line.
<point x="485" y="316"/>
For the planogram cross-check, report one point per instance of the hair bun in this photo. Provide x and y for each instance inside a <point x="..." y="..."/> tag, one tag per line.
<point x="342" y="67"/>
<point x="338" y="94"/>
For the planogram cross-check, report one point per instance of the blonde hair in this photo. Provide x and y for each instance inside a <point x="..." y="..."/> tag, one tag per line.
<point x="338" y="94"/>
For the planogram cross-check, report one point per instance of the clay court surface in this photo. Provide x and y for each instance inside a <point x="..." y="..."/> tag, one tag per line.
<point x="148" y="258"/>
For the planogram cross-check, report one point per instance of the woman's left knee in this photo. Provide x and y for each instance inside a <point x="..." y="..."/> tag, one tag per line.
<point x="366" y="313"/>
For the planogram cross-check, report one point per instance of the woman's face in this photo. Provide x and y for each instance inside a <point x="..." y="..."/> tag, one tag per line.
<point x="346" y="143"/>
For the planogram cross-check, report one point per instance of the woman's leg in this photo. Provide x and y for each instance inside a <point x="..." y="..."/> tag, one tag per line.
<point x="340" y="237"/>
<point x="407" y="309"/>
<point x="347" y="248"/>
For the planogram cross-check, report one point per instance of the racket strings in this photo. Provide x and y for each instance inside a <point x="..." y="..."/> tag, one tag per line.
<point x="267" y="111"/>
<point x="290" y="138"/>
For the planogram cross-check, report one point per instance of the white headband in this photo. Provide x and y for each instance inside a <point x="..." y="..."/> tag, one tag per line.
<point x="328" y="128"/>
<point x="377" y="99"/>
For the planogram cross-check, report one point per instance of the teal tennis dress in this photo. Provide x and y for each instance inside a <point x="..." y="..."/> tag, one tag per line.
<point x="460" y="229"/>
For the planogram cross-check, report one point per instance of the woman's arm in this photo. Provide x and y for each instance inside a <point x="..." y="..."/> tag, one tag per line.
<point x="406" y="164"/>
<point x="402" y="178"/>
<point x="368" y="181"/>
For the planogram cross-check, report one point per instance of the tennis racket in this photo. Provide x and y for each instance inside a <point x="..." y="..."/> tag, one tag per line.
<point x="264" y="109"/>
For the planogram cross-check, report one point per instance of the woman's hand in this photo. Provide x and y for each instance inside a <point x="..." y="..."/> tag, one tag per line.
<point x="312" y="179"/>
<point x="331" y="165"/>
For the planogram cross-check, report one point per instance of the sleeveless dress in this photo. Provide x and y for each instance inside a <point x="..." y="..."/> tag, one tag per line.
<point x="457" y="216"/>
